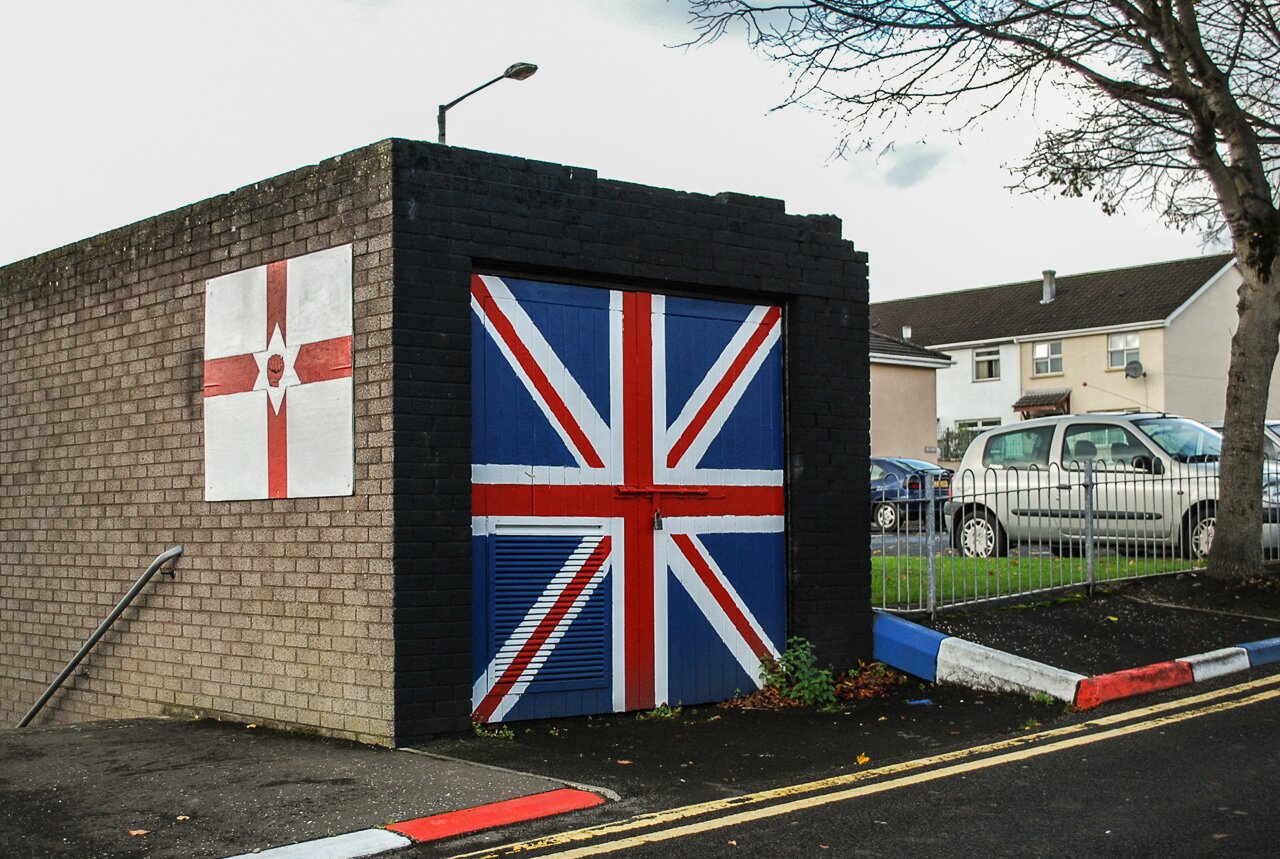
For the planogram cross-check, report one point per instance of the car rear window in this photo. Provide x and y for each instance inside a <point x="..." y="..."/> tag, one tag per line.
<point x="1020" y="448"/>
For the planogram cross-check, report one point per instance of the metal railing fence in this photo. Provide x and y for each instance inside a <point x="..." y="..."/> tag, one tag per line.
<point x="1004" y="532"/>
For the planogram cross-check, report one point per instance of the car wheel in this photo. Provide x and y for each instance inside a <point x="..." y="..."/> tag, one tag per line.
<point x="980" y="535"/>
<point x="885" y="515"/>
<point x="1197" y="540"/>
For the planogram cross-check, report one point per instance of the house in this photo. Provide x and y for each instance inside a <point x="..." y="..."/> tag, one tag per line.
<point x="904" y="413"/>
<point x="1152" y="337"/>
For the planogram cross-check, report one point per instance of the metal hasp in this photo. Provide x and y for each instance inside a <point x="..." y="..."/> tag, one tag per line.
<point x="166" y="555"/>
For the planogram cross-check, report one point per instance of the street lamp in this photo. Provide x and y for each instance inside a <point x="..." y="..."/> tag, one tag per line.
<point x="515" y="71"/>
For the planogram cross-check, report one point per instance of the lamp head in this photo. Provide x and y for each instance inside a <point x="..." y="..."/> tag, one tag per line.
<point x="519" y="71"/>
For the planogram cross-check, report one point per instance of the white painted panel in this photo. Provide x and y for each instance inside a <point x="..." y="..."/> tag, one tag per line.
<point x="321" y="439"/>
<point x="235" y="446"/>
<point x="960" y="398"/>
<point x="235" y="313"/>
<point x="318" y="304"/>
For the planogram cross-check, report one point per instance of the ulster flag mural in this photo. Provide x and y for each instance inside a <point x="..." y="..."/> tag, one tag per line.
<point x="627" y="504"/>
<point x="278" y="413"/>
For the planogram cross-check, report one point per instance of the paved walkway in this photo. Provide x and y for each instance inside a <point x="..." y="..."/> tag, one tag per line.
<point x="164" y="788"/>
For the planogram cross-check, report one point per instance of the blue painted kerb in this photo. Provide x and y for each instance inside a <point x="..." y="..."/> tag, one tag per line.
<point x="1262" y="652"/>
<point x="906" y="646"/>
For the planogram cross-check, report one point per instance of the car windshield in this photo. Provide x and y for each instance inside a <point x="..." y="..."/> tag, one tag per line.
<point x="1183" y="440"/>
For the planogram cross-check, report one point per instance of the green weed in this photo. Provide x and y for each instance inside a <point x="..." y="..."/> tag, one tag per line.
<point x="664" y="711"/>
<point x="497" y="732"/>
<point x="795" y="675"/>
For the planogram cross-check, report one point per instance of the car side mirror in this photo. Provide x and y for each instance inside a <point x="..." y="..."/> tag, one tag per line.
<point x="1149" y="464"/>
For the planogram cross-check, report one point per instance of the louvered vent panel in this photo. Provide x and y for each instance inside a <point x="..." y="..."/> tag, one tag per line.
<point x="524" y="568"/>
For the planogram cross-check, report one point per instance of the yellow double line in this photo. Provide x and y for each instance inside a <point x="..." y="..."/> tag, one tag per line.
<point x="671" y="823"/>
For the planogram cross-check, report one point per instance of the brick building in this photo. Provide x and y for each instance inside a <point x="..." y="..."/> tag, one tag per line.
<point x="351" y="613"/>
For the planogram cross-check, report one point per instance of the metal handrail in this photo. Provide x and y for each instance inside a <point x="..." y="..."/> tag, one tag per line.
<point x="101" y="631"/>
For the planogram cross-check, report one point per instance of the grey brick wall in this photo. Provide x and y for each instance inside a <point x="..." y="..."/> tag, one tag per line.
<point x="280" y="610"/>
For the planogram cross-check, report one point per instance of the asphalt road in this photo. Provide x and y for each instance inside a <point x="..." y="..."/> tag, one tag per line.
<point x="1174" y="775"/>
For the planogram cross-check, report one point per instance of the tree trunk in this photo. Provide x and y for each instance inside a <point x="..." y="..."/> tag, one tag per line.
<point x="1237" y="542"/>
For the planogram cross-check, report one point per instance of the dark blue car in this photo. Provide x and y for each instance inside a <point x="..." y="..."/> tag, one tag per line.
<point x="899" y="489"/>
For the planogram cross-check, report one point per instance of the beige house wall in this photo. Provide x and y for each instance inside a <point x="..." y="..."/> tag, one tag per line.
<point x="904" y="411"/>
<point x="1094" y="387"/>
<point x="1198" y="351"/>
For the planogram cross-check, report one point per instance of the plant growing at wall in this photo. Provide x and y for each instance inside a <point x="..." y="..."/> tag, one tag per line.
<point x="796" y="677"/>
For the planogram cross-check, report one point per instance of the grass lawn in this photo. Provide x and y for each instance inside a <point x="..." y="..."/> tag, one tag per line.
<point x="898" y="581"/>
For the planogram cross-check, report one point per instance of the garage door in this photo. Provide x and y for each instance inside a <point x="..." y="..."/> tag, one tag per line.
<point x="627" y="508"/>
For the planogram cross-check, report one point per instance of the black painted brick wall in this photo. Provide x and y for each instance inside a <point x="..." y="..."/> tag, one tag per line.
<point x="457" y="211"/>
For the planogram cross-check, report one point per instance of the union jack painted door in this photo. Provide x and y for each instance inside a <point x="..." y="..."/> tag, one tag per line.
<point x="627" y="514"/>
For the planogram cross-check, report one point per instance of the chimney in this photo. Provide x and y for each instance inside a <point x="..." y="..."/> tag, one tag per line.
<point x="1050" y="286"/>
<point x="906" y="332"/>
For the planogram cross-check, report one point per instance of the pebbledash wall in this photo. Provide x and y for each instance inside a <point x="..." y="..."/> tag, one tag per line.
<point x="351" y="615"/>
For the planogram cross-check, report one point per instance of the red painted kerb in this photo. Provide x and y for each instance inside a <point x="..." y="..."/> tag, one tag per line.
<point x="508" y="811"/>
<point x="1093" y="691"/>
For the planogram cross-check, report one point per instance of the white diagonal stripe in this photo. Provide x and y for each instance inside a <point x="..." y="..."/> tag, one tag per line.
<point x="557" y="374"/>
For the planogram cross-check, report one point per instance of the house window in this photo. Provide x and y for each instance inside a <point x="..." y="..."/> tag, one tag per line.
<point x="1046" y="358"/>
<point x="1121" y="349"/>
<point x="986" y="364"/>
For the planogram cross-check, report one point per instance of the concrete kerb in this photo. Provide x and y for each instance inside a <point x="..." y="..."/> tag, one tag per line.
<point x="371" y="842"/>
<point x="937" y="657"/>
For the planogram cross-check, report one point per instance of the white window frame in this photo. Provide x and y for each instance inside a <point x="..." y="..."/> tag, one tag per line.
<point x="1048" y="353"/>
<point x="986" y="356"/>
<point x="1125" y="347"/>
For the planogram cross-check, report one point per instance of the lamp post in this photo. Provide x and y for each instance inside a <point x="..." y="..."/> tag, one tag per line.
<point x="515" y="71"/>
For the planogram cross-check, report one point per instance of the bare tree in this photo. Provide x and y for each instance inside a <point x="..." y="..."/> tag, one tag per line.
<point x="1175" y="105"/>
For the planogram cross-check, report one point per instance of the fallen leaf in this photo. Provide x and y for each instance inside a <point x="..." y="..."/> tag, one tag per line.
<point x="733" y="843"/>
<point x="139" y="832"/>
<point x="1220" y="835"/>
<point x="251" y="725"/>
<point x="863" y="759"/>
<point x="183" y="817"/>
<point x="625" y="762"/>
<point x="1113" y="619"/>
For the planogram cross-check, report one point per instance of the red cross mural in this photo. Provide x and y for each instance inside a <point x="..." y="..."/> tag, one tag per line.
<point x="278" y="388"/>
<point x="640" y="476"/>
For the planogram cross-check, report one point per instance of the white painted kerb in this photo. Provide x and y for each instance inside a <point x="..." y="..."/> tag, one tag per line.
<point x="1215" y="663"/>
<point x="967" y="664"/>
<point x="366" y="842"/>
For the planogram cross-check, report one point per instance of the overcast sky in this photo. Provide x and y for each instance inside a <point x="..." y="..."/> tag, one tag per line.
<point x="119" y="111"/>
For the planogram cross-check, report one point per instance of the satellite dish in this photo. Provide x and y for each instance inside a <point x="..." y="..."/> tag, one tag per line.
<point x="1133" y="370"/>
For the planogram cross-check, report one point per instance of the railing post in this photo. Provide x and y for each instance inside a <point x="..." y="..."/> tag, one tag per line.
<point x="101" y="631"/>
<point x="1088" y="525"/>
<point x="931" y="557"/>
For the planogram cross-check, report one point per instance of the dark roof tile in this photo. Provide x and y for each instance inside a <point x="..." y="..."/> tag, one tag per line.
<point x="1094" y="300"/>
<point x="883" y="344"/>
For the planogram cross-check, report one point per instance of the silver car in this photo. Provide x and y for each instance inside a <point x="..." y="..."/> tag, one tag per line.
<point x="1146" y="481"/>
